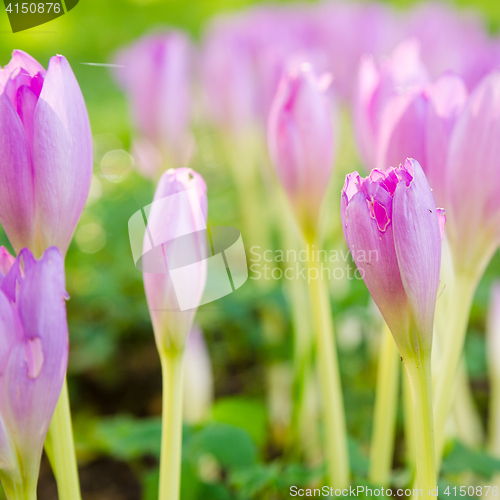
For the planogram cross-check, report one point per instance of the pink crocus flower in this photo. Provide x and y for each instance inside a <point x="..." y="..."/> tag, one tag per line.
<point x="33" y="361"/>
<point x="175" y="239"/>
<point x="155" y="73"/>
<point x="301" y="142"/>
<point x="398" y="112"/>
<point x="472" y="179"/>
<point x="392" y="228"/>
<point x="46" y="160"/>
<point x="375" y="86"/>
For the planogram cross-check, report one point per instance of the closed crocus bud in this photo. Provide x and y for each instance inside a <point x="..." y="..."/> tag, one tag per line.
<point x="198" y="378"/>
<point x="33" y="357"/>
<point x="46" y="160"/>
<point x="155" y="73"/>
<point x="392" y="228"/>
<point x="301" y="142"/>
<point x="175" y="255"/>
<point x="399" y="78"/>
<point x="472" y="180"/>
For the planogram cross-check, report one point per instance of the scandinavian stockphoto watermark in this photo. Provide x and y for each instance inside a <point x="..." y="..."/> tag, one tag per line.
<point x="293" y="264"/>
<point x="184" y="251"/>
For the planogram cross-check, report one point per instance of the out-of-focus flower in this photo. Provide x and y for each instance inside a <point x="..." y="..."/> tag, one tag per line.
<point x="33" y="360"/>
<point x="301" y="142"/>
<point x="375" y="87"/>
<point x="392" y="228"/>
<point x="348" y="30"/>
<point x="46" y="160"/>
<point x="155" y="73"/>
<point x="198" y="378"/>
<point x="472" y="180"/>
<point x="175" y="238"/>
<point x="452" y="40"/>
<point x="399" y="113"/>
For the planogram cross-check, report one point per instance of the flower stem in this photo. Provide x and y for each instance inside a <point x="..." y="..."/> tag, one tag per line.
<point x="419" y="374"/>
<point x="171" y="434"/>
<point x="329" y="380"/>
<point x="460" y="303"/>
<point x="409" y="423"/>
<point x="384" y="421"/>
<point x="17" y="488"/>
<point x="60" y="449"/>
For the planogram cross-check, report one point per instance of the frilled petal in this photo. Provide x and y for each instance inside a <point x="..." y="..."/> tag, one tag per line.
<point x="62" y="155"/>
<point x="375" y="256"/>
<point x="17" y="199"/>
<point x="37" y="363"/>
<point x="447" y="98"/>
<point x="417" y="240"/>
<point x="20" y="59"/>
<point x="473" y="179"/>
<point x="401" y="132"/>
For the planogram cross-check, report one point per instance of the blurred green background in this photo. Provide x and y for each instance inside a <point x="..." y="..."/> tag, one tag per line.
<point x="114" y="370"/>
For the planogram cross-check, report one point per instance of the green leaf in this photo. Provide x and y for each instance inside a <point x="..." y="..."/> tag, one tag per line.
<point x="462" y="459"/>
<point x="249" y="414"/>
<point x="231" y="446"/>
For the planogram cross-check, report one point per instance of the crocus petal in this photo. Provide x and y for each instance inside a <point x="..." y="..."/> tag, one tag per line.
<point x="473" y="227"/>
<point x="401" y="132"/>
<point x="6" y="260"/>
<point x="367" y="83"/>
<point x="20" y="59"/>
<point x="26" y="104"/>
<point x="62" y="155"/>
<point x="447" y="97"/>
<point x="37" y="363"/>
<point x="374" y="254"/>
<point x="417" y="240"/>
<point x="17" y="200"/>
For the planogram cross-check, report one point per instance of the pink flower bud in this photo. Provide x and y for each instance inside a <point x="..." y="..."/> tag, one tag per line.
<point x="33" y="361"/>
<point x="300" y="141"/>
<point x="175" y="245"/>
<point x="155" y="73"/>
<point x="392" y="228"/>
<point x="46" y="160"/>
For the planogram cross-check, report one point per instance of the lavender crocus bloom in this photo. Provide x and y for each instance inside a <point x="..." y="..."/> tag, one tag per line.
<point x="472" y="179"/>
<point x="176" y="226"/>
<point x="46" y="160"/>
<point x="33" y="361"/>
<point x="155" y="73"/>
<point x="392" y="228"/>
<point x="301" y="142"/>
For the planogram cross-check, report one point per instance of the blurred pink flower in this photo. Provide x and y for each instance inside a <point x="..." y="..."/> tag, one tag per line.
<point x="301" y="142"/>
<point x="452" y="40"/>
<point x="472" y="179"/>
<point x="155" y="73"/>
<point x="33" y="361"/>
<point x="175" y="238"/>
<point x="46" y="160"/>
<point x="392" y="228"/>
